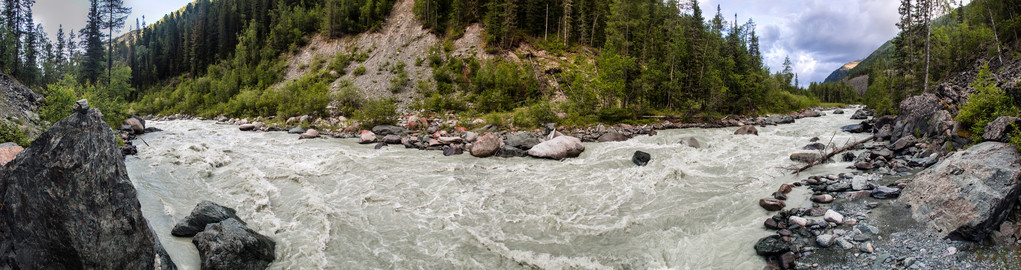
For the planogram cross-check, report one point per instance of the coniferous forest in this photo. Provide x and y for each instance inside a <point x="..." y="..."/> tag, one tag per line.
<point x="624" y="59"/>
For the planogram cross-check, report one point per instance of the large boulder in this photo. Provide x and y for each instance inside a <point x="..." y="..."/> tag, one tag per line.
<point x="558" y="148"/>
<point x="746" y="130"/>
<point x="999" y="130"/>
<point x="8" y="151"/>
<point x="486" y="146"/>
<point x="389" y="130"/>
<point x="968" y="194"/>
<point x="309" y="134"/>
<point x="205" y="213"/>
<point x="611" y="136"/>
<point x="641" y="158"/>
<point x="860" y="115"/>
<point x="230" y="245"/>
<point x="921" y="116"/>
<point x="135" y="124"/>
<point x="367" y="137"/>
<point x="68" y="203"/>
<point x="521" y="141"/>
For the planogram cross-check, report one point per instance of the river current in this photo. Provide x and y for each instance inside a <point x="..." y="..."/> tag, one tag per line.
<point x="335" y="204"/>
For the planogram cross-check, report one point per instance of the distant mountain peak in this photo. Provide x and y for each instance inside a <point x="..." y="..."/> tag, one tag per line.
<point x="842" y="71"/>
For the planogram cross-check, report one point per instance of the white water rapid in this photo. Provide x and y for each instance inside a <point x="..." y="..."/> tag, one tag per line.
<point x="334" y="204"/>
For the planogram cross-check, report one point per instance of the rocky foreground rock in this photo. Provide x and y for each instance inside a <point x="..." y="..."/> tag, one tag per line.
<point x="66" y="203"/>
<point x="230" y="245"/>
<point x="969" y="194"/>
<point x="205" y="213"/>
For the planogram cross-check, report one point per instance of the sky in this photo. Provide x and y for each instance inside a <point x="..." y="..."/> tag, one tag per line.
<point x="818" y="35"/>
<point x="71" y="13"/>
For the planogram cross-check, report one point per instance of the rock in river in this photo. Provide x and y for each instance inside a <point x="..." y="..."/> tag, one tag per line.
<point x="230" y="245"/>
<point x="367" y="137"/>
<point x="309" y="134"/>
<point x="612" y="136"/>
<point x="641" y="158"/>
<point x="746" y="130"/>
<point x="771" y="246"/>
<point x="558" y="148"/>
<point x="486" y="146"/>
<point x="691" y="142"/>
<point x="969" y="193"/>
<point x="772" y="204"/>
<point x="205" y="213"/>
<point x="806" y="157"/>
<point x="68" y="203"/>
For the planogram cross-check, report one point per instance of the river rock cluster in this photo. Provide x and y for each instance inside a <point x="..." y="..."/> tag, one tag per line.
<point x="66" y="202"/>
<point x="224" y="241"/>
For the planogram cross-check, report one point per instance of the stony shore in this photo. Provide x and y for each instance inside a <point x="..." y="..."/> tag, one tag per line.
<point x="447" y="135"/>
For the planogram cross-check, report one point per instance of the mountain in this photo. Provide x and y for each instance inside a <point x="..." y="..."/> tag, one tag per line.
<point x="841" y="72"/>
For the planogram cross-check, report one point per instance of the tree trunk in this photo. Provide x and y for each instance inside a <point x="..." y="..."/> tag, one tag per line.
<point x="999" y="52"/>
<point x="928" y="34"/>
<point x="831" y="154"/>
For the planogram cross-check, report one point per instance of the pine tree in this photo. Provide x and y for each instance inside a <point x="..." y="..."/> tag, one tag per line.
<point x="113" y="15"/>
<point x="30" y="70"/>
<point x="92" y="41"/>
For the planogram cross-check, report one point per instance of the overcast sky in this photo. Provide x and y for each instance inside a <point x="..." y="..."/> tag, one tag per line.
<point x="818" y="35"/>
<point x="72" y="13"/>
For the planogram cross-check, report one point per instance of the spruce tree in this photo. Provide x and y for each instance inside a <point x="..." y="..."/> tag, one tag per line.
<point x="92" y="64"/>
<point x="113" y="15"/>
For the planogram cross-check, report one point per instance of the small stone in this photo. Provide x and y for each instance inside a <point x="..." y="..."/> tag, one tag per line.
<point x="825" y="198"/>
<point x="833" y="216"/>
<point x="81" y="106"/>
<point x="825" y="240"/>
<point x="850" y="221"/>
<point x="843" y="243"/>
<point x="797" y="220"/>
<point x="883" y="192"/>
<point x="868" y="248"/>
<point x="785" y="188"/>
<point x="772" y="204"/>
<point x="779" y="196"/>
<point x="771" y="224"/>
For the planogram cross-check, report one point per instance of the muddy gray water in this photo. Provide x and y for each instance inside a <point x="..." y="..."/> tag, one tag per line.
<point x="331" y="203"/>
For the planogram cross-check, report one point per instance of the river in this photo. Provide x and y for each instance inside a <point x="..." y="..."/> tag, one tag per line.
<point x="331" y="203"/>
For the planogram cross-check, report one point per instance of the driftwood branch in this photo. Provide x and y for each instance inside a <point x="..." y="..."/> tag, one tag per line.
<point x="831" y="154"/>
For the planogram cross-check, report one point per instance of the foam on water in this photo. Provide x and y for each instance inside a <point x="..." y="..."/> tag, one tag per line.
<point x="332" y="203"/>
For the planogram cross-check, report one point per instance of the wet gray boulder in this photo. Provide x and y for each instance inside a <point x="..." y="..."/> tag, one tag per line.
<point x="205" y="213"/>
<point x="296" y="130"/>
<point x="860" y="115"/>
<point x="509" y="152"/>
<point x="838" y="111"/>
<point x="641" y="158"/>
<point x="612" y="136"/>
<point x="806" y="157"/>
<point x="883" y="192"/>
<point x="68" y="203"/>
<point x="999" y="130"/>
<point x="309" y="134"/>
<point x="522" y="141"/>
<point x="746" y="130"/>
<point x="392" y="139"/>
<point x="558" y="148"/>
<point x="814" y="146"/>
<point x="230" y="245"/>
<point x="969" y="193"/>
<point x="389" y="130"/>
<point x="691" y="142"/>
<point x="771" y="245"/>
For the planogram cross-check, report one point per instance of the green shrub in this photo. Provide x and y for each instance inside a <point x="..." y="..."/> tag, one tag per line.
<point x="10" y="132"/>
<point x="359" y="71"/>
<point x="542" y="112"/>
<point x="985" y="105"/>
<point x="376" y="112"/>
<point x="350" y="98"/>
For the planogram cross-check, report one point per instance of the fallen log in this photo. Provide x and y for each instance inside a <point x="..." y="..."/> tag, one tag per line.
<point x="831" y="154"/>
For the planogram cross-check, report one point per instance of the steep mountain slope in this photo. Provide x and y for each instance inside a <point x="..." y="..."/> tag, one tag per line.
<point x="841" y="72"/>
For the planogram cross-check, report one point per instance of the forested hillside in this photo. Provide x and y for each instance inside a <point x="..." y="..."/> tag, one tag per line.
<point x="603" y="61"/>
<point x="937" y="39"/>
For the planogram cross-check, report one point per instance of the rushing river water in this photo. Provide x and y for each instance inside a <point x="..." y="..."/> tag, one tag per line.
<point x="331" y="203"/>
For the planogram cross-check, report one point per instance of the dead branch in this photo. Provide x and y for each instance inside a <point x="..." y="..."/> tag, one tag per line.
<point x="831" y="154"/>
